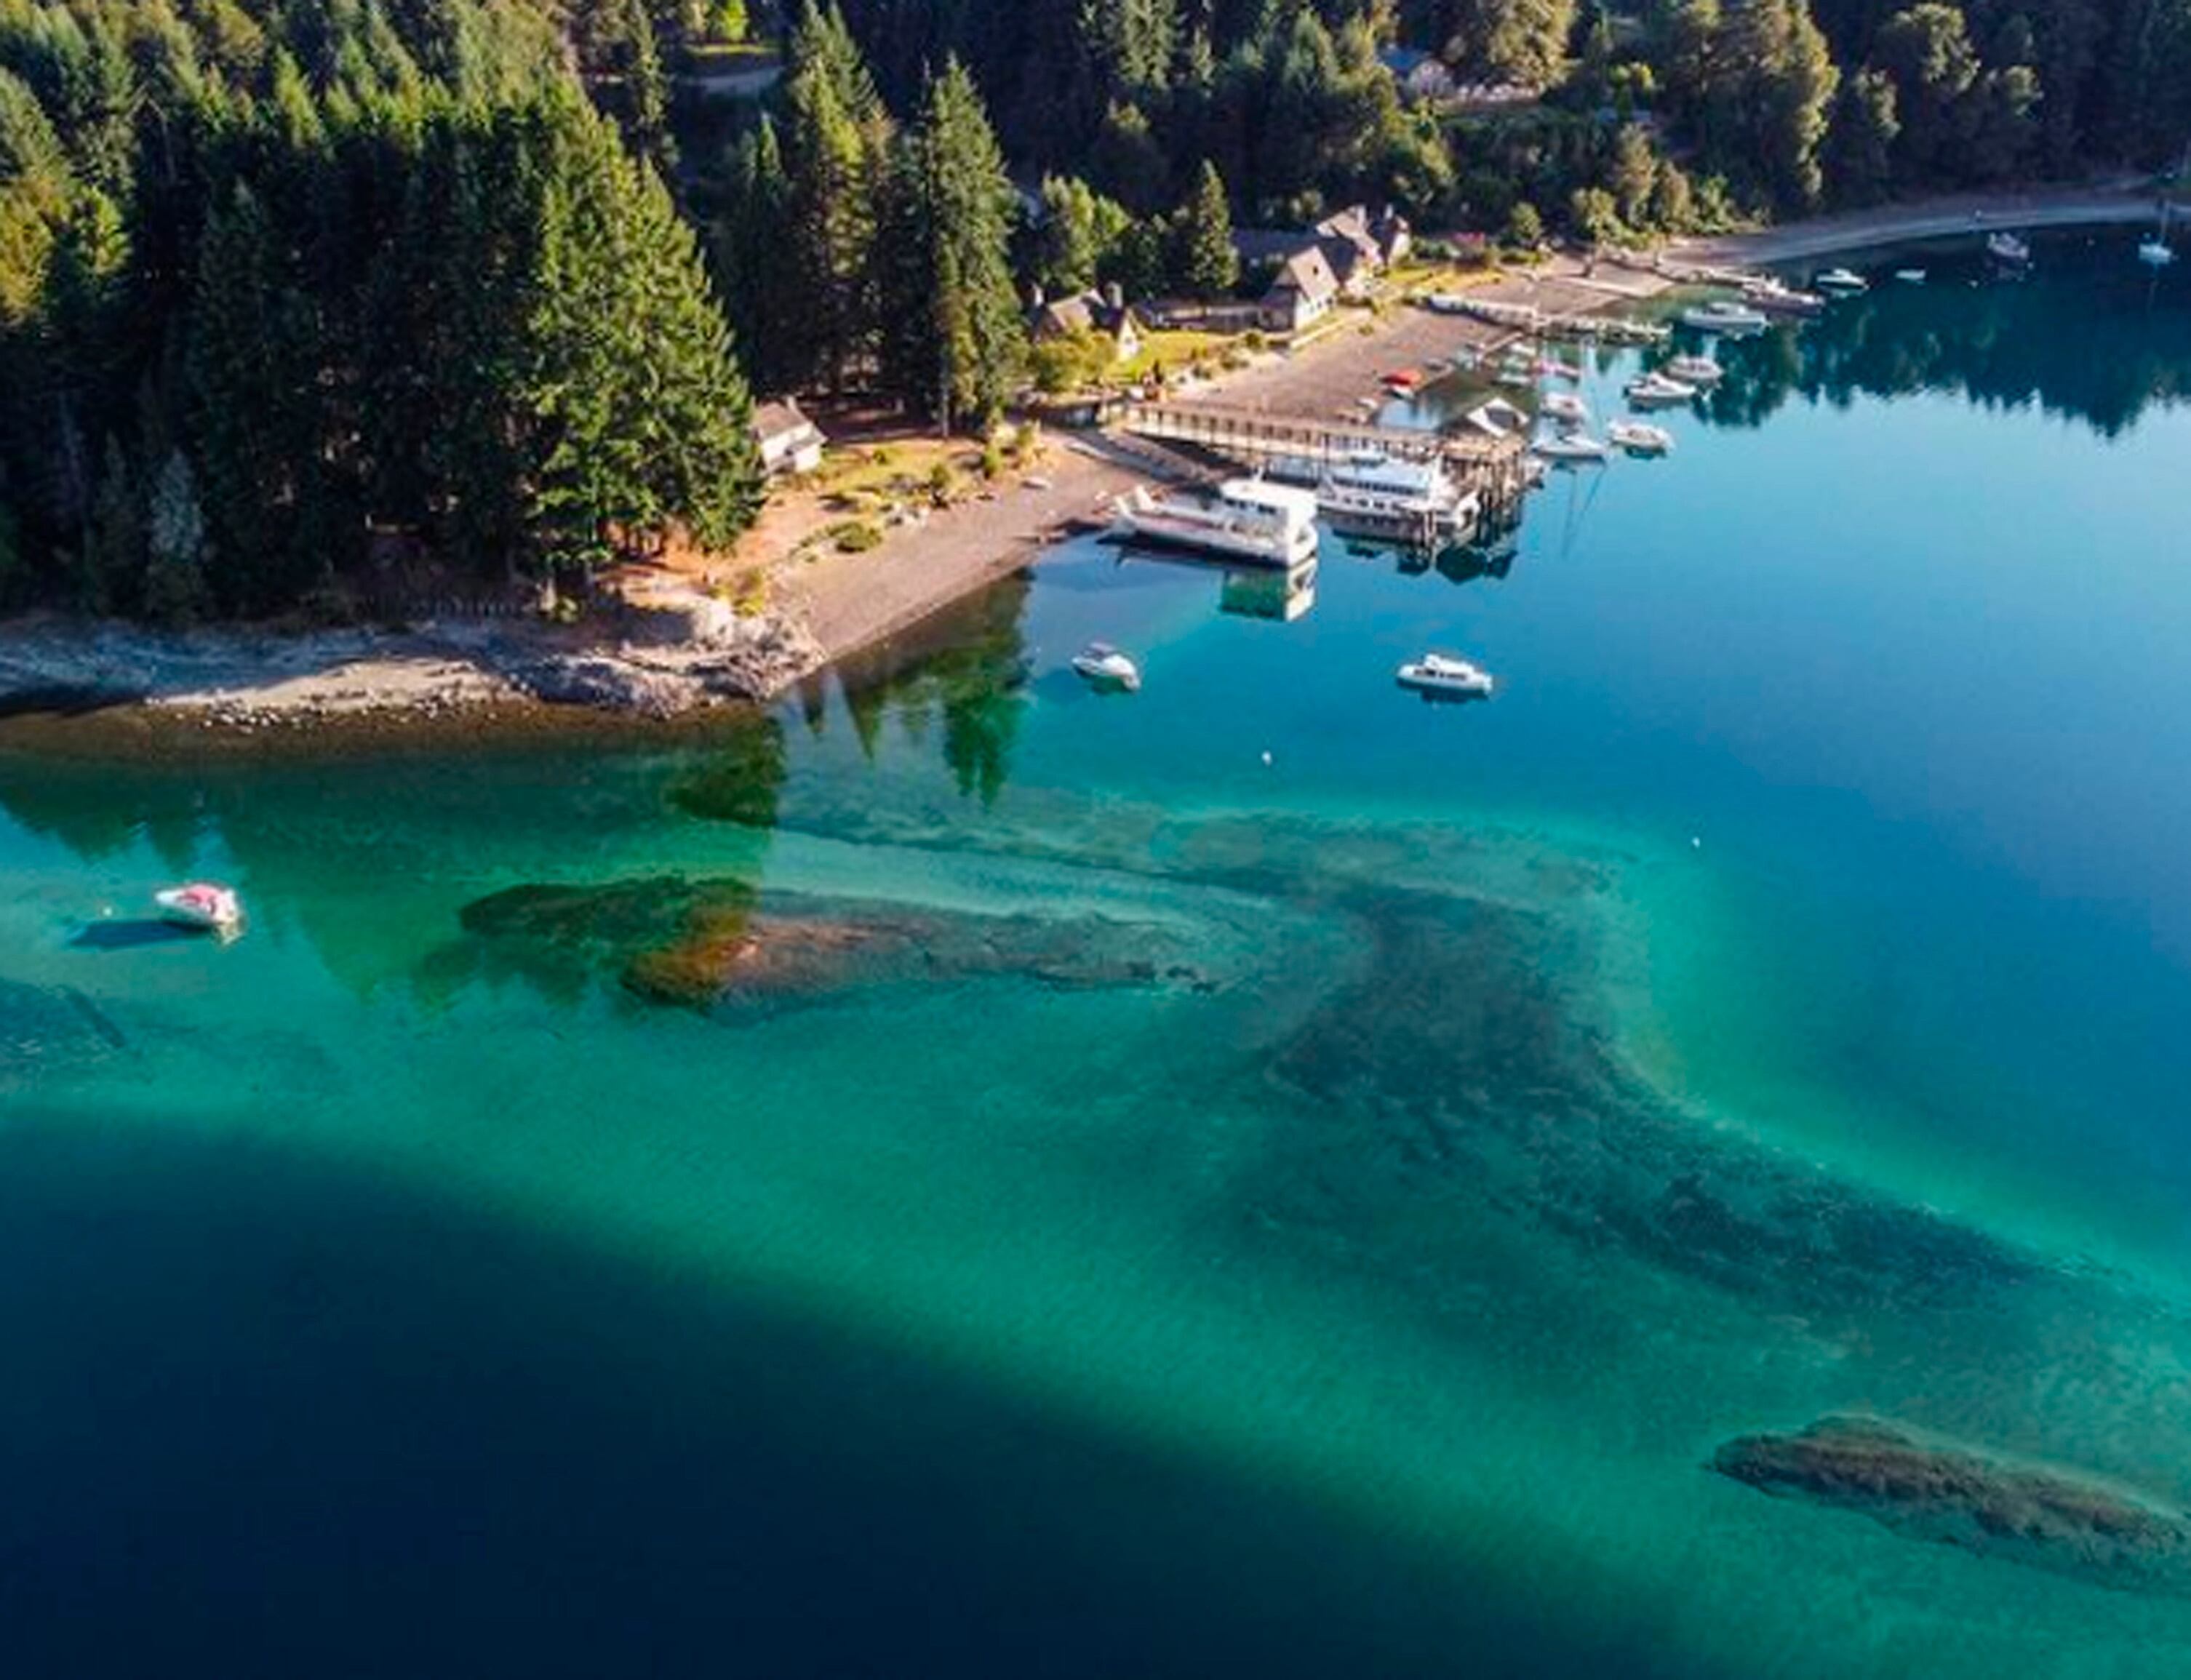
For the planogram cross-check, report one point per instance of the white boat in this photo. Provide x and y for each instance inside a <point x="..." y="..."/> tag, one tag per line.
<point x="1639" y="437"/>
<point x="1565" y="408"/>
<point x="1694" y="370"/>
<point x="1721" y="316"/>
<point x="1910" y="276"/>
<point x="204" y="905"/>
<point x="2007" y="247"/>
<point x="1444" y="673"/>
<point x="2156" y="253"/>
<point x="1652" y="390"/>
<point x="1576" y="447"/>
<point x="1245" y="520"/>
<point x="1774" y="298"/>
<point x="1104" y="666"/>
<point x="1841" y="280"/>
<point x="1372" y="495"/>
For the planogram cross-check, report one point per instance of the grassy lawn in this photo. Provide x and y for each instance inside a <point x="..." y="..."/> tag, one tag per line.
<point x="1174" y="352"/>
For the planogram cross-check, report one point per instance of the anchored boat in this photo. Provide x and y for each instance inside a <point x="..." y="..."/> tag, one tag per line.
<point x="1694" y="370"/>
<point x="1445" y="673"/>
<point x="1104" y="667"/>
<point x="1570" y="449"/>
<point x="1841" y="280"/>
<point x="1729" y="319"/>
<point x="204" y="907"/>
<point x="1639" y="437"/>
<point x="1371" y="495"/>
<point x="2007" y="247"/>
<point x="1657" y="390"/>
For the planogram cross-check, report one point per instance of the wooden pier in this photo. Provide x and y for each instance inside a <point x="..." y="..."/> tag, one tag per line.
<point x="1494" y="467"/>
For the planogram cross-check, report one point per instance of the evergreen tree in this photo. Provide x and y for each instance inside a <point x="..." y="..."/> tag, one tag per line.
<point x="835" y="144"/>
<point x="955" y="344"/>
<point x="174" y="590"/>
<point x="1860" y="145"/>
<point x="1208" y="266"/>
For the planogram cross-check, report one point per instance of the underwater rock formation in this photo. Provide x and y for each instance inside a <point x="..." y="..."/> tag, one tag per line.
<point x="1948" y="1492"/>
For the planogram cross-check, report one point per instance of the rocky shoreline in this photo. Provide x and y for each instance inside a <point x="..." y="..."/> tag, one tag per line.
<point x="252" y="678"/>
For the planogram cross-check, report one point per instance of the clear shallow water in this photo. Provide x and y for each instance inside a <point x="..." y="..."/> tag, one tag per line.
<point x="1314" y="1216"/>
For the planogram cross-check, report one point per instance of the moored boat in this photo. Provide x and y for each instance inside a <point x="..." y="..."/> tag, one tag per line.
<point x="1245" y="520"/>
<point x="1728" y="318"/>
<point x="1575" y="448"/>
<point x="1639" y="437"/>
<point x="1656" y="390"/>
<point x="1105" y="668"/>
<point x="1910" y="276"/>
<point x="1775" y="298"/>
<point x="1694" y="370"/>
<point x="2155" y="253"/>
<point x="1841" y="280"/>
<point x="2007" y="247"/>
<point x="205" y="906"/>
<point x="1445" y="673"/>
<point x="1565" y="408"/>
<point x="1372" y="495"/>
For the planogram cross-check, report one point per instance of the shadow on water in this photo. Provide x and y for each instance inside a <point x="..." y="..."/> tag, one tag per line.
<point x="266" y="1417"/>
<point x="132" y="934"/>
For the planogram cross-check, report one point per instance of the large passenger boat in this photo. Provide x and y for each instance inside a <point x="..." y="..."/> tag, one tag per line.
<point x="1247" y="521"/>
<point x="1373" y="494"/>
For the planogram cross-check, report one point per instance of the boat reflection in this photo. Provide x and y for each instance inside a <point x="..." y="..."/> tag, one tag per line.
<point x="1282" y="596"/>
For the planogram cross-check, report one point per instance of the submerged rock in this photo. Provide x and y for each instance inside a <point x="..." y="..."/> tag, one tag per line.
<point x="1957" y="1495"/>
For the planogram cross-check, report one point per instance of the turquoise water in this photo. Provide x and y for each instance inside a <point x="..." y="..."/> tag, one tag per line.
<point x="1281" y="1176"/>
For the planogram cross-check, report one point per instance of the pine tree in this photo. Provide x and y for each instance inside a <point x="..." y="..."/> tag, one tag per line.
<point x="835" y="147"/>
<point x="768" y="299"/>
<point x="1859" y="152"/>
<point x="956" y="344"/>
<point x="1208" y="265"/>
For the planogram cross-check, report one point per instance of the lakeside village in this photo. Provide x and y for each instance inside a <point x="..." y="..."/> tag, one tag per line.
<point x="408" y="359"/>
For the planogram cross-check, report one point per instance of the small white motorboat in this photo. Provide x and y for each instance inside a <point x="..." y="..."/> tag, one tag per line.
<point x="203" y="906"/>
<point x="1775" y="298"/>
<point x="1575" y="448"/>
<point x="1910" y="276"/>
<point x="1721" y="316"/>
<point x="1639" y="437"/>
<point x="2155" y="253"/>
<point x="1445" y="673"/>
<point x="1104" y="667"/>
<point x="1655" y="390"/>
<point x="1694" y="370"/>
<point x="2007" y="247"/>
<point x="1841" y="280"/>
<point x="1565" y="408"/>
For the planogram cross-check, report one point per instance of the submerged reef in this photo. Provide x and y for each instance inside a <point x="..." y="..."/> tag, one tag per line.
<point x="1953" y="1493"/>
<point x="695" y="944"/>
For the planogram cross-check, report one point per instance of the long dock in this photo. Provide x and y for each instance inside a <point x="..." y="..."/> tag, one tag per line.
<point x="1493" y="466"/>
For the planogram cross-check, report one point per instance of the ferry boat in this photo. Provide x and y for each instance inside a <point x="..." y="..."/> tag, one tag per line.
<point x="1371" y="495"/>
<point x="1639" y="437"/>
<point x="1247" y="521"/>
<point x="1697" y="371"/>
<point x="2007" y="247"/>
<point x="204" y="907"/>
<point x="1841" y="280"/>
<point x="1721" y="316"/>
<point x="1653" y="391"/>
<point x="1445" y="673"/>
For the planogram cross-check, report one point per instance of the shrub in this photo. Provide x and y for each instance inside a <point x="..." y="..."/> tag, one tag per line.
<point x="856" y="536"/>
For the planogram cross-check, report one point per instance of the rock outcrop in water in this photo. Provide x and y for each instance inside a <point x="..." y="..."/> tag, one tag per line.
<point x="697" y="943"/>
<point x="1956" y="1494"/>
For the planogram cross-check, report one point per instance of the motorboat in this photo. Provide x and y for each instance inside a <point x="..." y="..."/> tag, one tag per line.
<point x="1841" y="280"/>
<point x="1775" y="298"/>
<point x="1697" y="371"/>
<point x="1910" y="276"/>
<point x="1565" y="408"/>
<point x="1721" y="316"/>
<point x="1445" y="673"/>
<point x="1553" y="367"/>
<point x="1639" y="437"/>
<point x="2007" y="247"/>
<point x="1657" y="390"/>
<point x="1244" y="520"/>
<point x="204" y="907"/>
<point x="1576" y="448"/>
<point x="1105" y="667"/>
<point x="2155" y="253"/>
